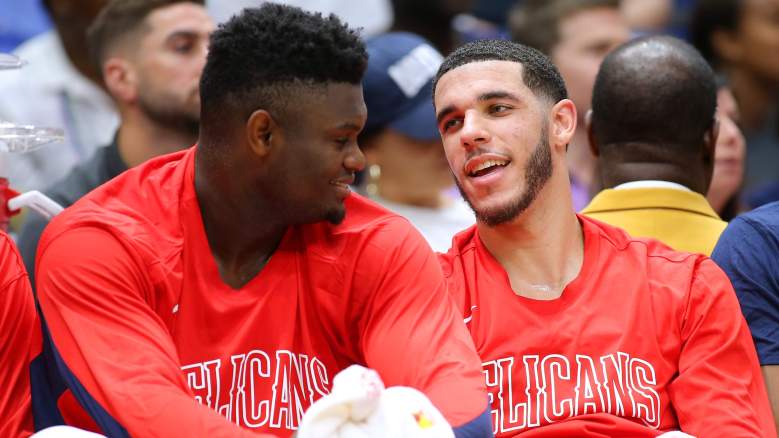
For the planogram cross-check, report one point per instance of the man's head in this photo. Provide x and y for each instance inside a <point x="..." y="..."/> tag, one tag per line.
<point x="653" y="114"/>
<point x="401" y="134"/>
<point x="575" y="34"/>
<point x="505" y="121"/>
<point x="282" y="106"/>
<point x="739" y="34"/>
<point x="151" y="54"/>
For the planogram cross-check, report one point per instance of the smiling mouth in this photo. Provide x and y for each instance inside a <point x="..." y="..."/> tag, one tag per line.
<point x="487" y="167"/>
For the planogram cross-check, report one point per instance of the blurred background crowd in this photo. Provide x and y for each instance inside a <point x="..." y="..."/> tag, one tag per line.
<point x="63" y="87"/>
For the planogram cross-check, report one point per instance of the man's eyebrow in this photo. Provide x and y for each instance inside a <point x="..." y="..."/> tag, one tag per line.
<point x="348" y="126"/>
<point x="497" y="95"/>
<point x="184" y="33"/>
<point x="482" y="98"/>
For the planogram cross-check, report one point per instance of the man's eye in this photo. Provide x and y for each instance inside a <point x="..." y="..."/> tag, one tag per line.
<point x="342" y="141"/>
<point x="449" y="124"/>
<point x="498" y="108"/>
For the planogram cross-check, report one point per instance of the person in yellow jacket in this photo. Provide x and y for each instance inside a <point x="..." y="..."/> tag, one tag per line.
<point x="654" y="130"/>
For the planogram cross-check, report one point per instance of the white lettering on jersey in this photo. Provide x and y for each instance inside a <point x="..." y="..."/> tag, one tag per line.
<point x="614" y="383"/>
<point x="295" y="381"/>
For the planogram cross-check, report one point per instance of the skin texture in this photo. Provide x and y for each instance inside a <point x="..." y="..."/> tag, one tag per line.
<point x="586" y="37"/>
<point x="153" y="75"/>
<point x="279" y="170"/>
<point x="486" y="112"/>
<point x="413" y="172"/>
<point x="730" y="152"/>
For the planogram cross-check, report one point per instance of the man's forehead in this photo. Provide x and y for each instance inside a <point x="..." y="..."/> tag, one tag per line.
<point x="475" y="78"/>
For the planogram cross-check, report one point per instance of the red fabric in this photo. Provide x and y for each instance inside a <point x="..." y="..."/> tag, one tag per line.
<point x="644" y="340"/>
<point x="20" y="336"/>
<point x="136" y="307"/>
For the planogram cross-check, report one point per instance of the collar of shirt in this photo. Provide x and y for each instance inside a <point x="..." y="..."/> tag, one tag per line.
<point x="652" y="183"/>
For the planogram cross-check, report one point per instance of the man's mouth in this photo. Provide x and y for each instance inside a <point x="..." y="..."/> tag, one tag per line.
<point x="476" y="168"/>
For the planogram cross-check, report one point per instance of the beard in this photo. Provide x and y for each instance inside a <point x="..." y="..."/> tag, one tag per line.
<point x="538" y="170"/>
<point x="164" y="110"/>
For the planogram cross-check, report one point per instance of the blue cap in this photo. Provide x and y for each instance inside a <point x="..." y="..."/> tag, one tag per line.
<point x="398" y="85"/>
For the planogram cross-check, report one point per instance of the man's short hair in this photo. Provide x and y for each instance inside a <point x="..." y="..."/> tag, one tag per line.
<point x="654" y="90"/>
<point x="119" y="19"/>
<point x="536" y="23"/>
<point x="259" y="56"/>
<point x="710" y="16"/>
<point x="538" y="72"/>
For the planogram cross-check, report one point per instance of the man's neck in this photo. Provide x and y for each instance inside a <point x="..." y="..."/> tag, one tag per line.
<point x="240" y="241"/>
<point x="542" y="250"/>
<point x="141" y="139"/>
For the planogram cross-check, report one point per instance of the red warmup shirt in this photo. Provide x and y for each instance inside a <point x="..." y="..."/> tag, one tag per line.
<point x="142" y="320"/>
<point x="20" y="336"/>
<point x="644" y="340"/>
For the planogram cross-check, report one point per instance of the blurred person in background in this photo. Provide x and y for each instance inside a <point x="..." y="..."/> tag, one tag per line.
<point x="407" y="171"/>
<point x="371" y="16"/>
<point x="748" y="252"/>
<point x="60" y="88"/>
<point x="656" y="157"/>
<point x="724" y="193"/>
<point x="740" y="38"/>
<point x="576" y="35"/>
<point x="151" y="54"/>
<point x="431" y="19"/>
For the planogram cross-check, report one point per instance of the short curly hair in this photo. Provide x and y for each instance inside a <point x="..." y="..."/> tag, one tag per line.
<point x="257" y="56"/>
<point x="538" y="72"/>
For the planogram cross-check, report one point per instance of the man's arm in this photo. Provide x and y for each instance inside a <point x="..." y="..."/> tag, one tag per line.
<point x="114" y="352"/>
<point x="719" y="390"/>
<point x="412" y="335"/>
<point x="748" y="255"/>
<point x="19" y="331"/>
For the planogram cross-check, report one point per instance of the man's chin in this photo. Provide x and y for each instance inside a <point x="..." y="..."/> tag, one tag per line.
<point x="336" y="216"/>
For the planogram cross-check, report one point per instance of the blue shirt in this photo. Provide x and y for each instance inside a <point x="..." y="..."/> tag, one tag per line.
<point x="748" y="252"/>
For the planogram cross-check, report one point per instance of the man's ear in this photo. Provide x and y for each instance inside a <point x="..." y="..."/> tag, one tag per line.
<point x="120" y="80"/>
<point x="259" y="132"/>
<point x="594" y="148"/>
<point x="563" y="123"/>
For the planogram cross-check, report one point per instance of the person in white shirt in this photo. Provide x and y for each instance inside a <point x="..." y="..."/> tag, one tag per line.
<point x="407" y="171"/>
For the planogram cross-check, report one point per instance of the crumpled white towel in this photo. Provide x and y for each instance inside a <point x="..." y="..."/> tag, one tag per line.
<point x="359" y="406"/>
<point x="65" y="432"/>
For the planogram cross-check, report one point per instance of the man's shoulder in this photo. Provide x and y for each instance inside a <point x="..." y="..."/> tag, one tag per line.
<point x="615" y="243"/>
<point x="141" y="204"/>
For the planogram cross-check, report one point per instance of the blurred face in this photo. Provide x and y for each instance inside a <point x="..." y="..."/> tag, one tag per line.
<point x="586" y="38"/>
<point x="729" y="150"/>
<point x="419" y="166"/>
<point x="316" y="152"/>
<point x="494" y="131"/>
<point x="169" y="62"/>
<point x="758" y="38"/>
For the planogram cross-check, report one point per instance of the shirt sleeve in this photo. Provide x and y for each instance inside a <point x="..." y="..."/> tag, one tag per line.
<point x="748" y="254"/>
<point x="719" y="390"/>
<point x="411" y="332"/>
<point x="20" y="333"/>
<point x="115" y="353"/>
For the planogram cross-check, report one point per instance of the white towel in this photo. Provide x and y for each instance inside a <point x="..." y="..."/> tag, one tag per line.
<point x="359" y="406"/>
<point x="65" y="432"/>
